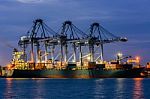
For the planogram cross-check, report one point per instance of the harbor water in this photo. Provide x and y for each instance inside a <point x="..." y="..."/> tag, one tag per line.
<point x="110" y="88"/>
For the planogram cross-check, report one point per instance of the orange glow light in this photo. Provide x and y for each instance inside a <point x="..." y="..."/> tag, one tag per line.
<point x="9" y="66"/>
<point x="137" y="58"/>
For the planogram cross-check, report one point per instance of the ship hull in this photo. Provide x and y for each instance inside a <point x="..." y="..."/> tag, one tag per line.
<point x="120" y="73"/>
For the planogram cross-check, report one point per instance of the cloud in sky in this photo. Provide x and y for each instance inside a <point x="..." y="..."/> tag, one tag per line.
<point x="30" y="1"/>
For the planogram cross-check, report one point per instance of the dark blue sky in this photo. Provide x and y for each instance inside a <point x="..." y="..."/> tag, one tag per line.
<point x="129" y="18"/>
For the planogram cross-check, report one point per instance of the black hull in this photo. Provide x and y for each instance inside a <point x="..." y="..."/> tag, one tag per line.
<point x="120" y="73"/>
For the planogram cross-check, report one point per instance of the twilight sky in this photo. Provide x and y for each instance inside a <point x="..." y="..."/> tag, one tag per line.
<point x="126" y="18"/>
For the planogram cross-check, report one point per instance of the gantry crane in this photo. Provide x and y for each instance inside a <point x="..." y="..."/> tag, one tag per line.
<point x="99" y="36"/>
<point x="39" y="32"/>
<point x="68" y="35"/>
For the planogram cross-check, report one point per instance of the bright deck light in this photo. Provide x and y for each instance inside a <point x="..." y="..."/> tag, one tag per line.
<point x="137" y="59"/>
<point x="119" y="54"/>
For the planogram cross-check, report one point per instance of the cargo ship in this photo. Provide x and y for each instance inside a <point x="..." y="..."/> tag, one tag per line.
<point x="114" y="69"/>
<point x="62" y="55"/>
<point x="89" y="70"/>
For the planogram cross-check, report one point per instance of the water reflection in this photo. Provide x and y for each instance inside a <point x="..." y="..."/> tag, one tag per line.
<point x="119" y="92"/>
<point x="120" y="88"/>
<point x="39" y="89"/>
<point x="102" y="89"/>
<point x="24" y="88"/>
<point x="138" y="89"/>
<point x="99" y="89"/>
<point x="8" y="93"/>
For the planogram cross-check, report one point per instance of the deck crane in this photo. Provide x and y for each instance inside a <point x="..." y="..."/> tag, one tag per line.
<point x="99" y="36"/>
<point x="39" y="32"/>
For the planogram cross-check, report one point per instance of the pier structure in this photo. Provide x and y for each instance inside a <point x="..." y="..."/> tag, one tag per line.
<point x="49" y="49"/>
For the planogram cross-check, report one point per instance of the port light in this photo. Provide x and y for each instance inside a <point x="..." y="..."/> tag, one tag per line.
<point x="43" y="61"/>
<point x="137" y="58"/>
<point x="88" y="58"/>
<point x="119" y="54"/>
<point x="9" y="66"/>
